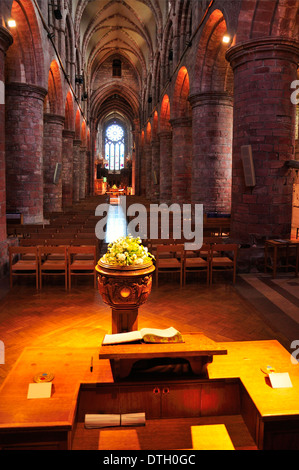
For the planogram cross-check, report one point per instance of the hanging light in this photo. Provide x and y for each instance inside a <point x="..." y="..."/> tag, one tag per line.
<point x="11" y="23"/>
<point x="226" y="39"/>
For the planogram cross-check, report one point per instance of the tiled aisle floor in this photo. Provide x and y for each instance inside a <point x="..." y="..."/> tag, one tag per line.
<point x="277" y="300"/>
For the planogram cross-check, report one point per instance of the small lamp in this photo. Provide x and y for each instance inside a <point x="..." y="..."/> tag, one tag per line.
<point x="11" y="23"/>
<point x="226" y="39"/>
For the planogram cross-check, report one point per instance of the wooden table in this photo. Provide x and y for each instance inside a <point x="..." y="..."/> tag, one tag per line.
<point x="272" y="415"/>
<point x="197" y="349"/>
<point x="286" y="245"/>
<point x="235" y="386"/>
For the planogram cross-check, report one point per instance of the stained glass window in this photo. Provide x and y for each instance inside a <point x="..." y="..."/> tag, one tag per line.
<point x="115" y="147"/>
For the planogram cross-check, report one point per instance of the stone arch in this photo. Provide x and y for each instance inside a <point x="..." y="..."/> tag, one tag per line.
<point x="181" y="105"/>
<point x="165" y="114"/>
<point x="69" y="122"/>
<point x="148" y="138"/>
<point x="212" y="72"/>
<point x="83" y="134"/>
<point x="271" y="18"/>
<point x="55" y="94"/>
<point x="155" y="124"/>
<point x="25" y="57"/>
<point x="78" y="125"/>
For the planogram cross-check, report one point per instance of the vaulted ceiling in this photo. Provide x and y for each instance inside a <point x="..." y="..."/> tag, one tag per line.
<point x="129" y="30"/>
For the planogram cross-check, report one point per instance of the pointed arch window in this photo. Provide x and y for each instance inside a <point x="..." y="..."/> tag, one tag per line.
<point x="115" y="148"/>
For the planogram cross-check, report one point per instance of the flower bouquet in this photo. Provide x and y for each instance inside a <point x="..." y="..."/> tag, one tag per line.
<point x="127" y="251"/>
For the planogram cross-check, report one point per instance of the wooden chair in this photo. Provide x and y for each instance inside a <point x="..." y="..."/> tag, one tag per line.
<point x="173" y="264"/>
<point x="19" y="266"/>
<point x="52" y="261"/>
<point x="199" y="261"/>
<point x="86" y="242"/>
<point x="82" y="261"/>
<point x="221" y="261"/>
<point x="152" y="245"/>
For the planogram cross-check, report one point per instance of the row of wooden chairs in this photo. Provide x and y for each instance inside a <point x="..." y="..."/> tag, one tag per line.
<point x="209" y="258"/>
<point x="46" y="260"/>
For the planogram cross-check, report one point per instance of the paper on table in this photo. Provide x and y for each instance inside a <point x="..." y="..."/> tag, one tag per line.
<point x="280" y="380"/>
<point x="39" y="390"/>
<point x="133" y="419"/>
<point x="93" y="421"/>
<point x="101" y="420"/>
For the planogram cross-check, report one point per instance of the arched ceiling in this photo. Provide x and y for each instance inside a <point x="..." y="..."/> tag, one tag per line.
<point x="126" y="29"/>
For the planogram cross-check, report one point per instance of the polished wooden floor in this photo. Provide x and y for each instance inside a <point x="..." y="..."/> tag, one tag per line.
<point x="78" y="318"/>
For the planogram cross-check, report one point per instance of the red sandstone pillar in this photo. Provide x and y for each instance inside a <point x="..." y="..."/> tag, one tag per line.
<point x="5" y="41"/>
<point x="212" y="127"/>
<point x="53" y="127"/>
<point x="181" y="159"/>
<point x="264" y="118"/>
<point x="67" y="168"/>
<point x="155" y="170"/>
<point x="24" y="150"/>
<point x="165" y="167"/>
<point x="89" y="165"/>
<point x="142" y="166"/>
<point x="148" y="166"/>
<point x="76" y="170"/>
<point x="82" y="175"/>
<point x="135" y="160"/>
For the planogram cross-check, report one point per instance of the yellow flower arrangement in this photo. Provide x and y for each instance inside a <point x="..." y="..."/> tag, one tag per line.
<point x="127" y="251"/>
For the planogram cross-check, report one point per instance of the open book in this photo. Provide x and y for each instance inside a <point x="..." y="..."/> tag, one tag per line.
<point x="147" y="335"/>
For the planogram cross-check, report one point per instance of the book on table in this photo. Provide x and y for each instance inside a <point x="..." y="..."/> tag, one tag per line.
<point x="146" y="335"/>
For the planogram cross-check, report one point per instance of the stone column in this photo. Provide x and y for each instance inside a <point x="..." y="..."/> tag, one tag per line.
<point x="88" y="172"/>
<point x="155" y="170"/>
<point x="24" y="150"/>
<point x="165" y="138"/>
<point x="148" y="170"/>
<point x="53" y="127"/>
<point x="67" y="168"/>
<point x="76" y="170"/>
<point x="264" y="117"/>
<point x="212" y="126"/>
<point x="82" y="175"/>
<point x="136" y="160"/>
<point x="181" y="159"/>
<point x="142" y="166"/>
<point x="5" y="41"/>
